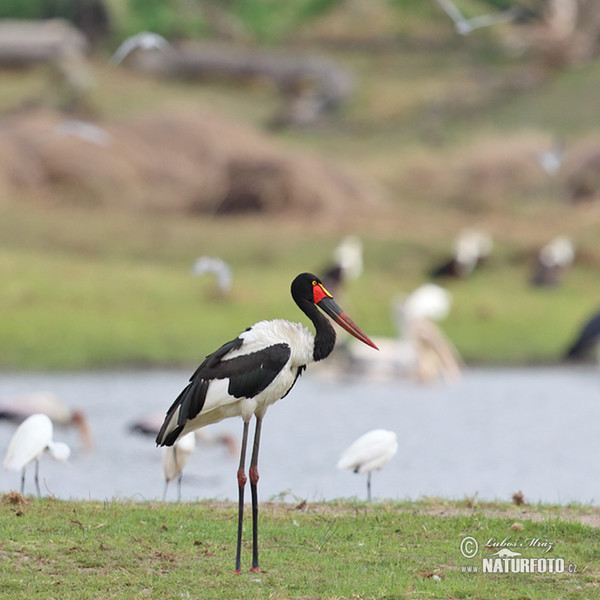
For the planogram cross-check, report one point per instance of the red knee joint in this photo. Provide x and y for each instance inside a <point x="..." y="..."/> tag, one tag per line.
<point x="241" y="478"/>
<point x="254" y="475"/>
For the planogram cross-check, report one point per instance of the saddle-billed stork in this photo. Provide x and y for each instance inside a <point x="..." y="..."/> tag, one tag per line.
<point x="251" y="372"/>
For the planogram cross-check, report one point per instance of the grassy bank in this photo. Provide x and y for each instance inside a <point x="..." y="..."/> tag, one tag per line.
<point x="85" y="290"/>
<point x="335" y="550"/>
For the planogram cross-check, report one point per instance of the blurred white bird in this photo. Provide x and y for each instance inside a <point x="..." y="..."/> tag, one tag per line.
<point x="145" y="40"/>
<point x="552" y="158"/>
<point x="18" y="408"/>
<point x="471" y="248"/>
<point x="31" y="439"/>
<point x="219" y="268"/>
<point x="83" y="130"/>
<point x="175" y="458"/>
<point x="368" y="453"/>
<point x="464" y="26"/>
<point x="552" y="261"/>
<point x="347" y="264"/>
<point x="420" y="349"/>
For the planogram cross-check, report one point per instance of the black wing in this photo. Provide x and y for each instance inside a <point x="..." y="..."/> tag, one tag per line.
<point x="248" y="375"/>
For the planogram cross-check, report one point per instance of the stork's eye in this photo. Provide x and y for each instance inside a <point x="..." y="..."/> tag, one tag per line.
<point x="314" y="282"/>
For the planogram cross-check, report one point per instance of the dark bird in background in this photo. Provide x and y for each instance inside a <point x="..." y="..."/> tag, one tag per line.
<point x="586" y="340"/>
<point x="347" y="264"/>
<point x="251" y="372"/>
<point x="471" y="250"/>
<point x="552" y="261"/>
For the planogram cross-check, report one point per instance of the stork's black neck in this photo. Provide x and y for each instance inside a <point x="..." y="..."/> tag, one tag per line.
<point x="324" y="331"/>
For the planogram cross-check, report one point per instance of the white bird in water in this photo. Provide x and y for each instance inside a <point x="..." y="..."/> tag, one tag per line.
<point x="251" y="372"/>
<point x="18" y="408"/>
<point x="31" y="439"/>
<point x="217" y="267"/>
<point x="464" y="26"/>
<point x="145" y="40"/>
<point x="175" y="458"/>
<point x="370" y="452"/>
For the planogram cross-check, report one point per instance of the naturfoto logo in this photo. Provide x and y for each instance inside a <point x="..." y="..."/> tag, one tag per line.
<point x="511" y="556"/>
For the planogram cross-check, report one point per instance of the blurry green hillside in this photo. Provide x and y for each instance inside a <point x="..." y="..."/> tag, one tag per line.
<point x="447" y="127"/>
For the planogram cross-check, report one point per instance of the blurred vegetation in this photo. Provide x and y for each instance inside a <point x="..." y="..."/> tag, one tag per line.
<point x="436" y="119"/>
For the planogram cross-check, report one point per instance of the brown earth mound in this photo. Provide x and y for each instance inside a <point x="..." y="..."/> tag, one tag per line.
<point x="193" y="163"/>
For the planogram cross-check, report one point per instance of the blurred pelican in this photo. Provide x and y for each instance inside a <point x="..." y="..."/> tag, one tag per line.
<point x="464" y="26"/>
<point x="31" y="439"/>
<point x="471" y="249"/>
<point x="18" y="408"/>
<point x="175" y="458"/>
<point x="420" y="350"/>
<point x="552" y="261"/>
<point x="219" y="268"/>
<point x="145" y="40"/>
<point x="370" y="452"/>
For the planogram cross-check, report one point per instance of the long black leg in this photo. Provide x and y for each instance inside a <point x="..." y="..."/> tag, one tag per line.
<point x="254" y="490"/>
<point x="241" y="476"/>
<point x="369" y="486"/>
<point x="37" y="472"/>
<point x="23" y="481"/>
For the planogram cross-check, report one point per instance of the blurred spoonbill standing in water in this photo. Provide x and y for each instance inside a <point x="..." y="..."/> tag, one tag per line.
<point x="31" y="439"/>
<point x="251" y="372"/>
<point x="369" y="453"/>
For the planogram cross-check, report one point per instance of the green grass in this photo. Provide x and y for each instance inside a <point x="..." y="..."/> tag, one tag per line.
<point x="88" y="291"/>
<point x="81" y="550"/>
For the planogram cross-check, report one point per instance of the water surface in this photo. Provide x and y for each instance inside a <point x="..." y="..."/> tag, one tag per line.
<point x="494" y="433"/>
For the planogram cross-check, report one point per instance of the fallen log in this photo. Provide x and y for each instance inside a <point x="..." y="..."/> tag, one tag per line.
<point x="26" y="43"/>
<point x="311" y="86"/>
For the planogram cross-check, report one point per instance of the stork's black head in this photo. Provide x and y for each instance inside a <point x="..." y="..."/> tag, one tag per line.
<point x="307" y="289"/>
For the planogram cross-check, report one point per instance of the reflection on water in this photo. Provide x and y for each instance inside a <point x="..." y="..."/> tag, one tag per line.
<point x="494" y="433"/>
